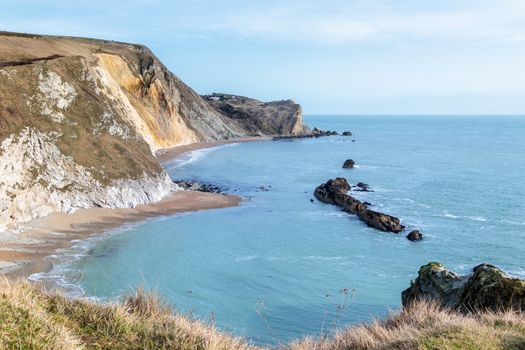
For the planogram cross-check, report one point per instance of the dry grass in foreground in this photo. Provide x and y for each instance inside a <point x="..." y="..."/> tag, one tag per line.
<point x="31" y="318"/>
<point x="426" y="326"/>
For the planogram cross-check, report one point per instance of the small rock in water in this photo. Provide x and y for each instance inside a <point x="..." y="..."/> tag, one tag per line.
<point x="415" y="235"/>
<point x="311" y="200"/>
<point x="362" y="187"/>
<point x="353" y="140"/>
<point x="367" y="204"/>
<point x="347" y="133"/>
<point x="348" y="164"/>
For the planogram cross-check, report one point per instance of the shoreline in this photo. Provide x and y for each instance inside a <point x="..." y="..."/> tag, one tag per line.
<point x="23" y="253"/>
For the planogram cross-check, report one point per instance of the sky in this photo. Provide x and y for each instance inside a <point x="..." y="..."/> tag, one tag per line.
<point x="331" y="56"/>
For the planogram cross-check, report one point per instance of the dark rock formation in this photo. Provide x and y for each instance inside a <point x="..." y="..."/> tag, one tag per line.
<point x="487" y="288"/>
<point x="348" y="164"/>
<point x="318" y="132"/>
<point x="381" y="221"/>
<point x="347" y="133"/>
<point x="334" y="191"/>
<point x="315" y="133"/>
<point x="415" y="236"/>
<point x="362" y="187"/>
<point x="261" y="118"/>
<point x="197" y="186"/>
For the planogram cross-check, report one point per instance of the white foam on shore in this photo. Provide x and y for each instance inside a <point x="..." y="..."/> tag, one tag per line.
<point x="193" y="156"/>
<point x="66" y="278"/>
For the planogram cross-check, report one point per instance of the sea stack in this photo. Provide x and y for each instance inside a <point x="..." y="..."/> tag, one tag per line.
<point x="348" y="164"/>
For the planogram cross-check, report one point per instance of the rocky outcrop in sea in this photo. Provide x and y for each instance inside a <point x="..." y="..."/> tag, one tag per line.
<point x="335" y="191"/>
<point x="315" y="133"/>
<point x="486" y="288"/>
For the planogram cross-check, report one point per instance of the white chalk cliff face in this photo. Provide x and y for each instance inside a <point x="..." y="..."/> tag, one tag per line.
<point x="38" y="179"/>
<point x="80" y="120"/>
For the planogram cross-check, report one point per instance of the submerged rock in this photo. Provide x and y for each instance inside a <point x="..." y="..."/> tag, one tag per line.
<point x="487" y="288"/>
<point x="335" y="191"/>
<point x="348" y="164"/>
<point x="362" y="187"/>
<point x="415" y="235"/>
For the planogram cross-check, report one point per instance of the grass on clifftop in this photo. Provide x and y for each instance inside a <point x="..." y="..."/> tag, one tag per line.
<point x="31" y="318"/>
<point x="425" y="326"/>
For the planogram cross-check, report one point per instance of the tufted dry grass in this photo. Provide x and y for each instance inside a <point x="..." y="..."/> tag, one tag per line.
<point x="426" y="326"/>
<point x="33" y="318"/>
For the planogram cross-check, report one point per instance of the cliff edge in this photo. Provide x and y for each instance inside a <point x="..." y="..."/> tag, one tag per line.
<point x="80" y="120"/>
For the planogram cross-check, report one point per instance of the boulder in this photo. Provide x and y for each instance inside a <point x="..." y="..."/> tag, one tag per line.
<point x="487" y="288"/>
<point x="415" y="235"/>
<point x="348" y="164"/>
<point x="347" y="133"/>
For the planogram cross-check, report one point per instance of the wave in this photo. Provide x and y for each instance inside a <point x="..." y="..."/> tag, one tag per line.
<point x="513" y="222"/>
<point x="446" y="214"/>
<point x="246" y="258"/>
<point x="194" y="156"/>
<point x="316" y="257"/>
<point x="477" y="218"/>
<point x="63" y="275"/>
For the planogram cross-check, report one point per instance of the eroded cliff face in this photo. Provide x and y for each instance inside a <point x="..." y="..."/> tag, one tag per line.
<point x="261" y="118"/>
<point x="80" y="120"/>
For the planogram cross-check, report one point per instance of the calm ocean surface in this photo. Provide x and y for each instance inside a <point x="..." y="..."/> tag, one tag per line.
<point x="273" y="268"/>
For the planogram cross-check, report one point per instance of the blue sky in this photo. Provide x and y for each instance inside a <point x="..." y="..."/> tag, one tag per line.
<point x="332" y="56"/>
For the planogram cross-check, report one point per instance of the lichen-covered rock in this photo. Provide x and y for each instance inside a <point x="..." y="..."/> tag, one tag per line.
<point x="487" y="288"/>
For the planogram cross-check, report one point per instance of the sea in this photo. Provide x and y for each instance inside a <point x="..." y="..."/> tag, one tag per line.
<point x="281" y="266"/>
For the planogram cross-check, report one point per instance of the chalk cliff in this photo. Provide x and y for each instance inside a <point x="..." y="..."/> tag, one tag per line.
<point x="80" y="120"/>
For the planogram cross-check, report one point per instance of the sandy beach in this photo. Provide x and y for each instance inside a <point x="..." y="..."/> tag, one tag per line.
<point x="23" y="253"/>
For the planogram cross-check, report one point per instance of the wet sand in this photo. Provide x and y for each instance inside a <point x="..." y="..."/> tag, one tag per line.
<point x="23" y="253"/>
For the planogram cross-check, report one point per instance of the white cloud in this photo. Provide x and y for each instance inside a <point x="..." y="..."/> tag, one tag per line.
<point x="489" y="20"/>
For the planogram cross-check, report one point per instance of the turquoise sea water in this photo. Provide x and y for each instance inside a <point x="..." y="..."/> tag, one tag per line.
<point x="274" y="268"/>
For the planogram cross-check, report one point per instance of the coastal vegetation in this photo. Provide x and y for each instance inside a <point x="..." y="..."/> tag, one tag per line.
<point x="33" y="318"/>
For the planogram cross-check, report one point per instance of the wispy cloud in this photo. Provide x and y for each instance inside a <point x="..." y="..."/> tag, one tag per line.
<point x="346" y="21"/>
